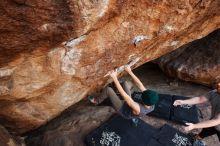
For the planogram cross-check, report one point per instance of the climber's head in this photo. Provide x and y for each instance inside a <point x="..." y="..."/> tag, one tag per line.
<point x="149" y="97"/>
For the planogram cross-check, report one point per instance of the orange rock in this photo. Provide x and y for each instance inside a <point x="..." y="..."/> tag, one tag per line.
<point x="197" y="61"/>
<point x="53" y="53"/>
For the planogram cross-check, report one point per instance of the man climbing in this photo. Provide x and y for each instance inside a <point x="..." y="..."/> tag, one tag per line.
<point x="211" y="126"/>
<point x="127" y="107"/>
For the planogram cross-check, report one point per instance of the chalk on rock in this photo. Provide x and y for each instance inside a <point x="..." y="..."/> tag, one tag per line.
<point x="121" y="68"/>
<point x="139" y="39"/>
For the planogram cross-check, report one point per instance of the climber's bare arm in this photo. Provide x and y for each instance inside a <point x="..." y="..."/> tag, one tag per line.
<point x="131" y="103"/>
<point x="137" y="81"/>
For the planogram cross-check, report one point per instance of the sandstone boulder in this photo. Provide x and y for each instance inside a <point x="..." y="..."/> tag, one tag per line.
<point x="198" y="61"/>
<point x="71" y="128"/>
<point x="8" y="140"/>
<point x="53" y="53"/>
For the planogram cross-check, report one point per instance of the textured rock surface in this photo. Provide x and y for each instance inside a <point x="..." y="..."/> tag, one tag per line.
<point x="198" y="61"/>
<point x="39" y="77"/>
<point x="70" y="128"/>
<point x="7" y="140"/>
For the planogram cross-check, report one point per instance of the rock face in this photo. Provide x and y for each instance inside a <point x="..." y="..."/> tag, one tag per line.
<point x="7" y="140"/>
<point x="53" y="53"/>
<point x="198" y="61"/>
<point x="71" y="128"/>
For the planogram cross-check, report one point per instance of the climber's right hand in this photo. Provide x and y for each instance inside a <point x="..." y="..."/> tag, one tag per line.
<point x="113" y="74"/>
<point x="128" y="68"/>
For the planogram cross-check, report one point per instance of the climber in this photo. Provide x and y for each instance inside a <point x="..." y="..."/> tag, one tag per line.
<point x="212" y="126"/>
<point x="127" y="107"/>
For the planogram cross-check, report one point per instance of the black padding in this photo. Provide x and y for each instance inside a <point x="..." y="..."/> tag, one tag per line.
<point x="123" y="131"/>
<point x="184" y="113"/>
<point x="153" y="142"/>
<point x="163" y="107"/>
<point x="169" y="136"/>
<point x="180" y="114"/>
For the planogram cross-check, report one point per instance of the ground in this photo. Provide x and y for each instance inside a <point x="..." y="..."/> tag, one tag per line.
<point x="71" y="127"/>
